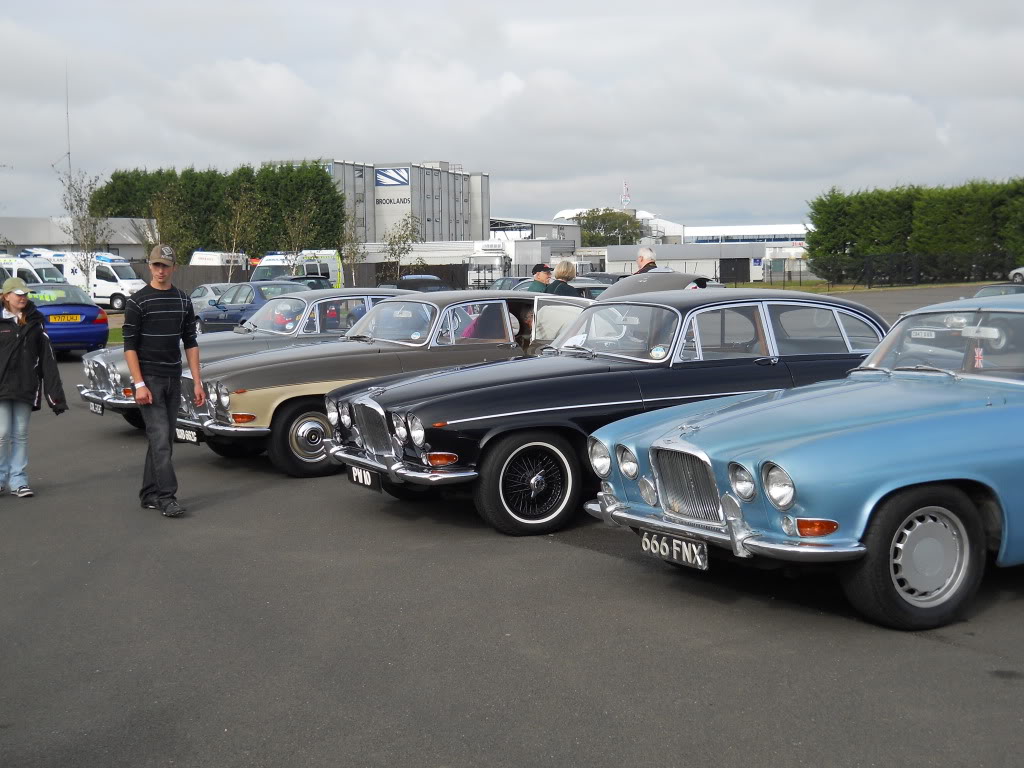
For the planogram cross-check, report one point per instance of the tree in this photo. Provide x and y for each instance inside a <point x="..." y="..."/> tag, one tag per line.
<point x="398" y="240"/>
<point x="299" y="225"/>
<point x="829" y="237"/>
<point x="86" y="230"/>
<point x="240" y="223"/>
<point x="606" y="226"/>
<point x="351" y="250"/>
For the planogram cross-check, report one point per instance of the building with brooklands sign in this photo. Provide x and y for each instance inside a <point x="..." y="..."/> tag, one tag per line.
<point x="449" y="203"/>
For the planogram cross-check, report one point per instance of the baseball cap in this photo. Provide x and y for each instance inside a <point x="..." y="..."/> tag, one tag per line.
<point x="540" y="268"/>
<point x="15" y="285"/>
<point x="162" y="254"/>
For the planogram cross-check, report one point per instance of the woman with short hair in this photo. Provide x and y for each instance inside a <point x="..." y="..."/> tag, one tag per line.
<point x="564" y="272"/>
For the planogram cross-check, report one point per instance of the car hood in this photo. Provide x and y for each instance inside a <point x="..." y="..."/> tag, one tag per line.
<point x="525" y="374"/>
<point x="852" y="408"/>
<point x="292" y="357"/>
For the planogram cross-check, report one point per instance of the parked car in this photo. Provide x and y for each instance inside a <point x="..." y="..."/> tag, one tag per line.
<point x="904" y="475"/>
<point x="238" y="304"/>
<point x="422" y="283"/>
<point x="607" y="277"/>
<point x="202" y="295"/>
<point x="515" y="433"/>
<point x="1000" y="289"/>
<point x="506" y="283"/>
<point x="1017" y="275"/>
<point x="322" y="315"/>
<point x="588" y="289"/>
<point x="313" y="282"/>
<point x="274" y="401"/>
<point x="72" y="320"/>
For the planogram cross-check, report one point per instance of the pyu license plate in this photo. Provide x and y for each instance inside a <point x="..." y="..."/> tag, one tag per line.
<point x="693" y="554"/>
<point x="187" y="435"/>
<point x="365" y="478"/>
<point x="96" y="408"/>
<point x="65" y="318"/>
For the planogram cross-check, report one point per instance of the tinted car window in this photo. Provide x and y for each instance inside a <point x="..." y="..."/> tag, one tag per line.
<point x="802" y="330"/>
<point x="730" y="332"/>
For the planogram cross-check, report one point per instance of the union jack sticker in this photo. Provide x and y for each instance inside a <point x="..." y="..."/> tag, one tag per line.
<point x="392" y="177"/>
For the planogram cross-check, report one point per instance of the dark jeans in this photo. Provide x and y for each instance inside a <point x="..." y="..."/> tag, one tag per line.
<point x="158" y="479"/>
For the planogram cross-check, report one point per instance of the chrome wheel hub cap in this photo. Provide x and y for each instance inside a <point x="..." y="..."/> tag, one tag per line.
<point x="307" y="440"/>
<point x="537" y="484"/>
<point x="928" y="557"/>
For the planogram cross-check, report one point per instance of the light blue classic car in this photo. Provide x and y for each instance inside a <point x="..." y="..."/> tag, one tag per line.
<point x="905" y="474"/>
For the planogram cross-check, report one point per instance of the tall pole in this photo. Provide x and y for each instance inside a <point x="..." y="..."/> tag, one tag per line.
<point x="67" y="112"/>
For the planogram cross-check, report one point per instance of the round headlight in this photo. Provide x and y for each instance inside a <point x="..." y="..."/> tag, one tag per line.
<point x="211" y="390"/>
<point x="223" y="395"/>
<point x="600" y="459"/>
<point x="401" y="431"/>
<point x="779" y="486"/>
<point x="345" y="415"/>
<point x="742" y="482"/>
<point x="627" y="462"/>
<point x="648" y="491"/>
<point x="332" y="413"/>
<point x="416" y="431"/>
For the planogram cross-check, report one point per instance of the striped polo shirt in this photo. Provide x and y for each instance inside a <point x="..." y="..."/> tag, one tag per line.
<point x="155" y="324"/>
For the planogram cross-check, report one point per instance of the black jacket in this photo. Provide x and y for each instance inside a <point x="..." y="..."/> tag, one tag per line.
<point x="646" y="268"/>
<point x="27" y="364"/>
<point x="560" y="288"/>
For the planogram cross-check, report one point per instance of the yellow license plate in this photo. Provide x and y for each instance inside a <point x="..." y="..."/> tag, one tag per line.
<point x="65" y="318"/>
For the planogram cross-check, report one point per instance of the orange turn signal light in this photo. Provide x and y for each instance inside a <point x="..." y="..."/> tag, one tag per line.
<point x="441" y="459"/>
<point x="439" y="424"/>
<point x="808" y="526"/>
<point x="128" y="392"/>
<point x="243" y="418"/>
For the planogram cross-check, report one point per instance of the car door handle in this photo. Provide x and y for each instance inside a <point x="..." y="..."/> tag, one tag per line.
<point x="766" y="361"/>
<point x="508" y="345"/>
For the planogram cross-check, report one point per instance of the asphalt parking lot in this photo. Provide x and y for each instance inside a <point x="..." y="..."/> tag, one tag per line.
<point x="309" y="623"/>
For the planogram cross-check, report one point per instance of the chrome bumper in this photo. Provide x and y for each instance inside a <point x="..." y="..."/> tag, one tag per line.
<point x="109" y="400"/>
<point x="400" y="472"/>
<point x="209" y="427"/>
<point x="735" y="535"/>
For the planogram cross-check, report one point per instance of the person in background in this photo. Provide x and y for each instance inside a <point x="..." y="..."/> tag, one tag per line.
<point x="541" y="278"/>
<point x="564" y="272"/>
<point x="28" y="370"/>
<point x="524" y="332"/>
<point x="645" y="260"/>
<point x="156" y="320"/>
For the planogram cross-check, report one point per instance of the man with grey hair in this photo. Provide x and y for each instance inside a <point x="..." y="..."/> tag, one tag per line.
<point x="645" y="260"/>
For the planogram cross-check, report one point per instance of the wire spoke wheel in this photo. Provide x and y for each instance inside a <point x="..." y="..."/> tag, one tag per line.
<point x="533" y="482"/>
<point x="928" y="557"/>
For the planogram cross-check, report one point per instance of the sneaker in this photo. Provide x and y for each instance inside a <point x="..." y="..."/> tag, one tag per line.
<point x="172" y="509"/>
<point x="150" y="504"/>
<point x="23" y="492"/>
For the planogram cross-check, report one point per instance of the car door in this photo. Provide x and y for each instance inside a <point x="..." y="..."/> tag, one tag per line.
<point x="722" y="350"/>
<point x="819" y="342"/>
<point x="551" y="315"/>
<point x="473" y="332"/>
<point x="215" y="316"/>
<point x="241" y="301"/>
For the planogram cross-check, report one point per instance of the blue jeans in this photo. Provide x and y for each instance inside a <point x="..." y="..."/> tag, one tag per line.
<point x="14" y="443"/>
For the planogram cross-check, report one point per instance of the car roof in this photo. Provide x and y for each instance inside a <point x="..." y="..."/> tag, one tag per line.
<point x="1013" y="302"/>
<point x="325" y="293"/>
<point x="444" y="299"/>
<point x="685" y="300"/>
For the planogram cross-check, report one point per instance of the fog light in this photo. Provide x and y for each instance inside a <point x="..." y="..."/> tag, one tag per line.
<point x="243" y="418"/>
<point x="789" y="526"/>
<point x="648" y="491"/>
<point x="807" y="526"/>
<point x="441" y="459"/>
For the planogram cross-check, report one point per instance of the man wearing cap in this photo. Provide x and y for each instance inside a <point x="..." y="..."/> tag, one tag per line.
<point x="541" y="278"/>
<point x="156" y="320"/>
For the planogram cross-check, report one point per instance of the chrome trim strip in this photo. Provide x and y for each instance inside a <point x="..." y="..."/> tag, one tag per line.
<point x="712" y="395"/>
<point x="399" y="472"/>
<point x="541" y="410"/>
<point x="210" y="427"/>
<point x="100" y="396"/>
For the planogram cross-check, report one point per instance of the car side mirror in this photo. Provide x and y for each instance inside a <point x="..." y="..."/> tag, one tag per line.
<point x="212" y="302"/>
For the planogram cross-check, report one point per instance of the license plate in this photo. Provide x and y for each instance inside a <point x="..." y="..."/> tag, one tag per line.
<point x="688" y="552"/>
<point x="187" y="435"/>
<point x="364" y="478"/>
<point x="65" y="318"/>
<point x="96" y="408"/>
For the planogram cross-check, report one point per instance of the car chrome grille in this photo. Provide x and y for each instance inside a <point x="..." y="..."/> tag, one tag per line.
<point x="688" y="489"/>
<point x="373" y="429"/>
<point x="187" y="405"/>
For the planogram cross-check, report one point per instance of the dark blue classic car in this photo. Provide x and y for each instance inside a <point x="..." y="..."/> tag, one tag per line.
<point x="905" y="474"/>
<point x="514" y="433"/>
<point x="238" y="304"/>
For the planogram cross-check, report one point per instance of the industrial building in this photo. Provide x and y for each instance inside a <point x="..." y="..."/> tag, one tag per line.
<point x="128" y="236"/>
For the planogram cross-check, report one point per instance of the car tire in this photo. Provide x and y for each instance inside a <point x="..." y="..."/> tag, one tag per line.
<point x="409" y="492"/>
<point x="296" y="443"/>
<point x="117" y="302"/>
<point x="1018" y="277"/>
<point x="924" y="562"/>
<point x="134" y="417"/>
<point x="237" y="449"/>
<point x="529" y="484"/>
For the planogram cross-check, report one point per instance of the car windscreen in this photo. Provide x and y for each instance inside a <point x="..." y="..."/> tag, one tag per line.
<point x="629" y="330"/>
<point x="274" y="290"/>
<point x="62" y="294"/>
<point x="51" y="275"/>
<point x="278" y="315"/>
<point x="270" y="271"/>
<point x="407" y="322"/>
<point x="975" y="343"/>
<point x="123" y="271"/>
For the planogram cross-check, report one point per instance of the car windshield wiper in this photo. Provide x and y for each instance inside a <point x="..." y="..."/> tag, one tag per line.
<point x="872" y="369"/>
<point x="579" y="348"/>
<point x="360" y="337"/>
<point x="933" y="368"/>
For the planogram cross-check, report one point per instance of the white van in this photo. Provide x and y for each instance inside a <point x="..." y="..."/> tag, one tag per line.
<point x="217" y="259"/>
<point x="323" y="263"/>
<point x="111" y="282"/>
<point x="32" y="267"/>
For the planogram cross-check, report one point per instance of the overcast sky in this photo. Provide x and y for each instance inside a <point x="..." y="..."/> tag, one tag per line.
<point x="714" y="112"/>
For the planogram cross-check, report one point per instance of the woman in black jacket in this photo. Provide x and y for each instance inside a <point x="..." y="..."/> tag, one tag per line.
<point x="27" y="368"/>
<point x="564" y="272"/>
